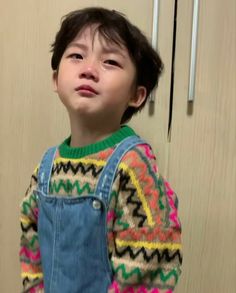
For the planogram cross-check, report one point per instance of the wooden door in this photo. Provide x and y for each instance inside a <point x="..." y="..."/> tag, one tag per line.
<point x="152" y="122"/>
<point x="32" y="118"/>
<point x="202" y="153"/>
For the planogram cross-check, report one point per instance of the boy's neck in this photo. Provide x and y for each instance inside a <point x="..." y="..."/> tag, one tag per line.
<point x="86" y="134"/>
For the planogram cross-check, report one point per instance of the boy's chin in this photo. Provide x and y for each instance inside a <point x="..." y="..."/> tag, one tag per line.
<point x="93" y="118"/>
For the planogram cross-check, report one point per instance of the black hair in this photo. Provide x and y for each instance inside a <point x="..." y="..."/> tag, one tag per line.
<point x="114" y="27"/>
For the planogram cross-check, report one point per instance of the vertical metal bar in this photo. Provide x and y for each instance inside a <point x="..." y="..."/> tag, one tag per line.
<point x="155" y="21"/>
<point x="192" y="75"/>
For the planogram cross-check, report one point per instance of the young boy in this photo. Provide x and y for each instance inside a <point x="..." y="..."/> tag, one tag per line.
<point x="97" y="216"/>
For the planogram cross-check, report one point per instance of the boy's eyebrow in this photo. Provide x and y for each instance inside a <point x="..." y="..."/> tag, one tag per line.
<point x="114" y="50"/>
<point x="106" y="50"/>
<point x="78" y="45"/>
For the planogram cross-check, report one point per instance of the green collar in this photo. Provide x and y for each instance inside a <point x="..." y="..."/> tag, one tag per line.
<point x="78" y="152"/>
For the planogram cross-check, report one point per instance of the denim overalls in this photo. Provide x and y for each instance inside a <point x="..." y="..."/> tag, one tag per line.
<point x="72" y="230"/>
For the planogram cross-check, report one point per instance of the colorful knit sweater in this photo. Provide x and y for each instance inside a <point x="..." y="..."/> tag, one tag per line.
<point x="143" y="226"/>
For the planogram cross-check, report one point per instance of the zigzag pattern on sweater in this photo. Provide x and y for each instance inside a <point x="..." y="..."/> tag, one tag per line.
<point x="146" y="175"/>
<point x="37" y="289"/>
<point x="124" y="180"/>
<point x="119" y="221"/>
<point x="76" y="168"/>
<point x="30" y="242"/>
<point x="165" y="277"/>
<point x="152" y="178"/>
<point x="27" y="227"/>
<point x="149" y="235"/>
<point x="25" y="281"/>
<point x="29" y="255"/>
<point x="31" y="270"/>
<point x="130" y="289"/>
<point x="68" y="187"/>
<point x="37" y="284"/>
<point x="173" y="203"/>
<point x="28" y="204"/>
<point x="33" y="181"/>
<point x="136" y="212"/>
<point x="148" y="256"/>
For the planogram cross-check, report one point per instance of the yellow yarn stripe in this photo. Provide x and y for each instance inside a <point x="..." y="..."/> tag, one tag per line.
<point x="148" y="245"/>
<point x="99" y="163"/>
<point x="31" y="275"/>
<point x="25" y="220"/>
<point x="36" y="169"/>
<point x="140" y="193"/>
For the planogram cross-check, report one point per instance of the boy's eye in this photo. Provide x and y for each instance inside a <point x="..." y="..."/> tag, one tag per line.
<point x="112" y="62"/>
<point x="76" y="56"/>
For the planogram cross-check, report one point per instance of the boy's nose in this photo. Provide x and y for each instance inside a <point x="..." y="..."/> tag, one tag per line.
<point x="89" y="71"/>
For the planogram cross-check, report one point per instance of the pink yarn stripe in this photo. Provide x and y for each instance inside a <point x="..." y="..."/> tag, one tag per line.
<point x="110" y="216"/>
<point x="141" y="289"/>
<point x="174" y="218"/>
<point x="155" y="168"/>
<point x="114" y="286"/>
<point x="148" y="151"/>
<point x="173" y="215"/>
<point x="29" y="254"/>
<point x="36" y="212"/>
<point x="150" y="155"/>
<point x="35" y="289"/>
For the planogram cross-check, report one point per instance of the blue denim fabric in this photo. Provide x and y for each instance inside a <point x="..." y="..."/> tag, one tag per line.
<point x="73" y="232"/>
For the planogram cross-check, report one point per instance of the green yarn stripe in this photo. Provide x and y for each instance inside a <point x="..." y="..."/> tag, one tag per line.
<point x="27" y="204"/>
<point x="154" y="274"/>
<point x="68" y="187"/>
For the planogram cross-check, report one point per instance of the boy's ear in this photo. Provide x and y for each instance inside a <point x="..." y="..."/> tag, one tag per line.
<point x="54" y="80"/>
<point x="137" y="100"/>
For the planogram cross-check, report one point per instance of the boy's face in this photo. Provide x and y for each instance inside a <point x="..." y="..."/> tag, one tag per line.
<point x="96" y="79"/>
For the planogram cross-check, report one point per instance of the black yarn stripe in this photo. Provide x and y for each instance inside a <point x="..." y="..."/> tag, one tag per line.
<point x="80" y="167"/>
<point x="28" y="227"/>
<point x="160" y="255"/>
<point x="124" y="180"/>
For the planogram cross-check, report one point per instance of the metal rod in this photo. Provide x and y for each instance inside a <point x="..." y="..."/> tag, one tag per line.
<point x="155" y="21"/>
<point x="192" y="75"/>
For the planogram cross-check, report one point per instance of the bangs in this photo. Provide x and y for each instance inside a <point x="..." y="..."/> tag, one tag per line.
<point x="110" y="34"/>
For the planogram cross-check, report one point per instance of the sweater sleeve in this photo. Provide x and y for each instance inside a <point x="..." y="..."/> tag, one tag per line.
<point x="146" y="257"/>
<point x="31" y="271"/>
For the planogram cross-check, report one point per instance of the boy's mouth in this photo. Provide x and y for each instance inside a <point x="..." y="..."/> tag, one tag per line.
<point x="86" y="88"/>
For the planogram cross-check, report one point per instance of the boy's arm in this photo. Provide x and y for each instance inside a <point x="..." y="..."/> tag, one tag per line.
<point x="31" y="271"/>
<point x="146" y="256"/>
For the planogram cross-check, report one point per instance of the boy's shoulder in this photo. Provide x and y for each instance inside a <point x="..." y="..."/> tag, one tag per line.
<point x="140" y="155"/>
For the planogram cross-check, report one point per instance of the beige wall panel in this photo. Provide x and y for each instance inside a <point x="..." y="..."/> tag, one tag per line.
<point x="32" y="118"/>
<point x="202" y="162"/>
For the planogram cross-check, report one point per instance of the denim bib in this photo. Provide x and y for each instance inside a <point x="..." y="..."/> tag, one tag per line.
<point x="73" y="231"/>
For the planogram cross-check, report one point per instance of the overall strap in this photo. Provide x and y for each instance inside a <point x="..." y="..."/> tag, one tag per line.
<point x="107" y="176"/>
<point x="45" y="169"/>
